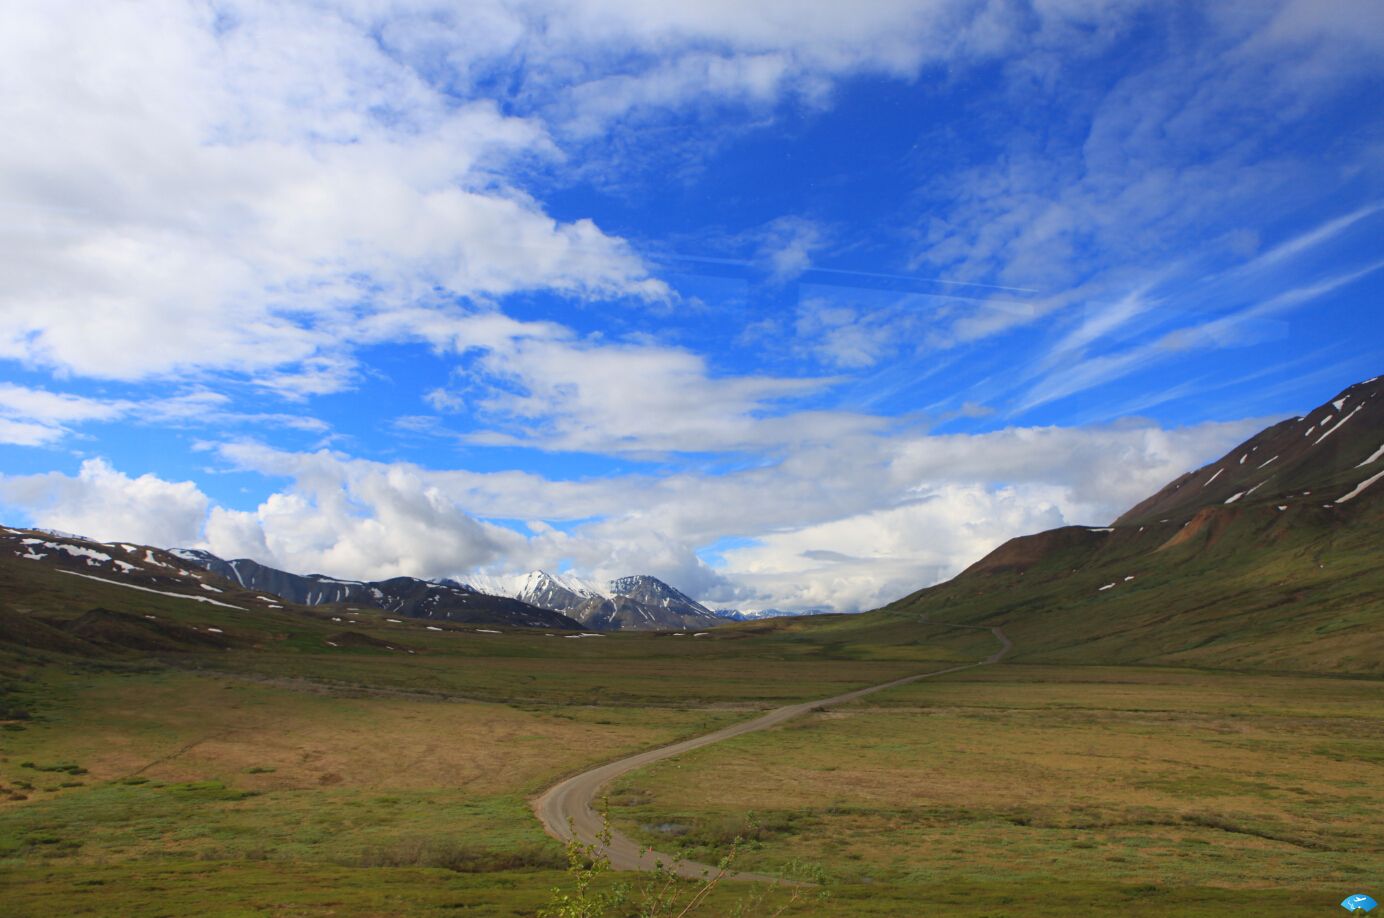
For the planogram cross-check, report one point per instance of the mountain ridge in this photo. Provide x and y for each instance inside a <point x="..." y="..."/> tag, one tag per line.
<point x="1287" y="460"/>
<point x="639" y="602"/>
<point x="634" y="602"/>
<point x="1271" y="563"/>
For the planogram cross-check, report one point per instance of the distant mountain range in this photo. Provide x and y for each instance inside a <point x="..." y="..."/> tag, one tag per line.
<point x="1265" y="558"/>
<point x="636" y="603"/>
<point x="536" y="599"/>
<point x="533" y="600"/>
<point x="1268" y="557"/>
<point x="401" y="595"/>
<point x="754" y="615"/>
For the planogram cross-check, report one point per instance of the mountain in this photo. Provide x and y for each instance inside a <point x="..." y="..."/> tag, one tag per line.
<point x="41" y="569"/>
<point x="639" y="603"/>
<point x="536" y="599"/>
<point x="1267" y="558"/>
<point x="558" y="592"/>
<point x="754" y="615"/>
<point x="1320" y="452"/>
<point x="136" y="566"/>
<point x="401" y="595"/>
<point x="308" y="590"/>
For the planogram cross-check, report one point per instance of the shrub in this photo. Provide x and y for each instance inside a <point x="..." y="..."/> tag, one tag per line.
<point x="458" y="857"/>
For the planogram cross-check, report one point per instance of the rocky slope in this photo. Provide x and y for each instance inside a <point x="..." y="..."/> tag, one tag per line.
<point x="1319" y="455"/>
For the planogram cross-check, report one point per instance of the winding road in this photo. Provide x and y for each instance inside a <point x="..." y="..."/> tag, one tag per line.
<point x="566" y="809"/>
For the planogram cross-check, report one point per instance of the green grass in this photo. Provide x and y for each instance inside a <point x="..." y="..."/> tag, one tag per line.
<point x="1213" y="787"/>
<point x="285" y="776"/>
<point x="1294" y="591"/>
<point x="240" y="890"/>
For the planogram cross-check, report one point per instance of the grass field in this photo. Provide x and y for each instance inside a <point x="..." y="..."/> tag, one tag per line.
<point x="121" y="775"/>
<point x="282" y="775"/>
<point x="1200" y="789"/>
<point x="279" y="774"/>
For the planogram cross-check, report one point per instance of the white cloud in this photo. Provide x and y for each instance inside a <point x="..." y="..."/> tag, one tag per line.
<point x="40" y="417"/>
<point x="849" y="332"/>
<point x="897" y="513"/>
<point x="375" y="523"/>
<point x="188" y="198"/>
<point x="28" y="433"/>
<point x="558" y="394"/>
<point x="787" y="245"/>
<point x="56" y="407"/>
<point x="103" y="503"/>
<point x="863" y="561"/>
<point x="236" y="188"/>
<point x="845" y="525"/>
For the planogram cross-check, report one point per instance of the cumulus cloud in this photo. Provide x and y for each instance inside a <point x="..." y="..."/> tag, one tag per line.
<point x="874" y="557"/>
<point x="103" y="503"/>
<point x="236" y="188"/>
<point x="842" y="526"/>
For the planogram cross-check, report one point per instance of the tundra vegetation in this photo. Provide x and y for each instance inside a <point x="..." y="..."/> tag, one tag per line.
<point x="1189" y="722"/>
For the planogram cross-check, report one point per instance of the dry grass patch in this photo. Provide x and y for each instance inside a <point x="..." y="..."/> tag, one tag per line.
<point x="1129" y="775"/>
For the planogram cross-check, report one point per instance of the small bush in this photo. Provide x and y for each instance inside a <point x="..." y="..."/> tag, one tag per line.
<point x="66" y="768"/>
<point x="208" y="792"/>
<point x="461" y="858"/>
<point x="719" y="832"/>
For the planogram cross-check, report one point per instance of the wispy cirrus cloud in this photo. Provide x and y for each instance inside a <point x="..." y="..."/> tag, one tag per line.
<point x="41" y="417"/>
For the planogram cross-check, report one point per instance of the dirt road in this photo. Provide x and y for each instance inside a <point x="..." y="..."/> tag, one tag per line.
<point x="567" y="807"/>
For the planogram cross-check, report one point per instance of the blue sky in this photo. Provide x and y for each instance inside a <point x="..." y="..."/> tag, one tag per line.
<point x="790" y="304"/>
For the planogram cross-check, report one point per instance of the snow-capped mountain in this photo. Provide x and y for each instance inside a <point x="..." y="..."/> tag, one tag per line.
<point x="400" y="595"/>
<point x="1321" y="452"/>
<point x="640" y="602"/>
<point x="558" y="592"/>
<point x="537" y="599"/>
<point x="753" y="615"/>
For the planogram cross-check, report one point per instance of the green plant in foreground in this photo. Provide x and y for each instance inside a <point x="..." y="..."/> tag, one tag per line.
<point x="663" y="894"/>
<point x="584" y="864"/>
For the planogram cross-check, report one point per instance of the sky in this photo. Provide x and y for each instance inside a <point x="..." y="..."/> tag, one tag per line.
<point x="793" y="304"/>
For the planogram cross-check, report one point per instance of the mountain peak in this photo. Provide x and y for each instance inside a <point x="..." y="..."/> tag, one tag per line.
<point x="639" y="601"/>
<point x="1321" y="454"/>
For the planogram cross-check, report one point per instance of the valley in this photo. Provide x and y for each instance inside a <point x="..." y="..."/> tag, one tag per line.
<point x="1176" y="714"/>
<point x="728" y="459"/>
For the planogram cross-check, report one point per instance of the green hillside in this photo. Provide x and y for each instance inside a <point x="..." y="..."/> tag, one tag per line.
<point x="1203" y="574"/>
